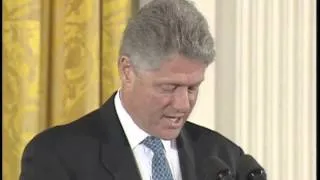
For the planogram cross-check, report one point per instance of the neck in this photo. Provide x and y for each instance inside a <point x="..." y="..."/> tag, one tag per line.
<point x="125" y="100"/>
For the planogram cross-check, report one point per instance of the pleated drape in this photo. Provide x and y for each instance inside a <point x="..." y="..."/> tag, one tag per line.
<point x="59" y="63"/>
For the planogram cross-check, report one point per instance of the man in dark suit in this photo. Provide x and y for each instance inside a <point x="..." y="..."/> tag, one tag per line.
<point x="141" y="132"/>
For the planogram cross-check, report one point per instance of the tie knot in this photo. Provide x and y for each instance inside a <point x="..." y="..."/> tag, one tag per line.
<point x="154" y="144"/>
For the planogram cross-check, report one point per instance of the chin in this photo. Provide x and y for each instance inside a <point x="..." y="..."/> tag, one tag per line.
<point x="170" y="134"/>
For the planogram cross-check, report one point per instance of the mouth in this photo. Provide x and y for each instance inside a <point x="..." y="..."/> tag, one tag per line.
<point x="174" y="121"/>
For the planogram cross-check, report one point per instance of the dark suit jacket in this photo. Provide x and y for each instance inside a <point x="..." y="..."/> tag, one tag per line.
<point x="95" y="147"/>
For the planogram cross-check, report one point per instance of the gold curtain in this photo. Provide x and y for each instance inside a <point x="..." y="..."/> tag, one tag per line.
<point x="59" y="62"/>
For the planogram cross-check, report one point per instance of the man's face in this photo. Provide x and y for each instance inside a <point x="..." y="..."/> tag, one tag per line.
<point x="160" y="101"/>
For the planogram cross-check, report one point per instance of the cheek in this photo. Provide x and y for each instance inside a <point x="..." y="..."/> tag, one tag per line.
<point x="193" y="99"/>
<point x="160" y="100"/>
<point x="156" y="104"/>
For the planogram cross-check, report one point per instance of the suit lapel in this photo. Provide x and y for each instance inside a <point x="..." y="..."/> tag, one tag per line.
<point x="186" y="156"/>
<point x="120" y="162"/>
<point x="115" y="152"/>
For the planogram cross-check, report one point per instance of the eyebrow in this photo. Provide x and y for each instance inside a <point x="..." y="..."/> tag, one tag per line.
<point x="179" y="84"/>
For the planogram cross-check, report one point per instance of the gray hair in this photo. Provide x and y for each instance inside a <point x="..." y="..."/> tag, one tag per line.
<point x="164" y="28"/>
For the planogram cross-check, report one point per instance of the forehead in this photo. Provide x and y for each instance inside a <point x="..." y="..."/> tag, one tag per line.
<point x="179" y="69"/>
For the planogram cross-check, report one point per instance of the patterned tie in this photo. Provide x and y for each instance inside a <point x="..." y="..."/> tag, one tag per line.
<point x="160" y="166"/>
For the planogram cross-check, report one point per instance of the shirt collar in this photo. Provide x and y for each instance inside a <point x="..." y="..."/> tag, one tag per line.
<point x="134" y="134"/>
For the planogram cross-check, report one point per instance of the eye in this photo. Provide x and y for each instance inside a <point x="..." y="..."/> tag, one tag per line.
<point x="168" y="87"/>
<point x="193" y="89"/>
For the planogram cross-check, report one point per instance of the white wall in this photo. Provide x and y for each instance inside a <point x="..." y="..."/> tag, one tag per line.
<point x="265" y="82"/>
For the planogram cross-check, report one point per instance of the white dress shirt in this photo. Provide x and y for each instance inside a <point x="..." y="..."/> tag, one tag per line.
<point x="143" y="154"/>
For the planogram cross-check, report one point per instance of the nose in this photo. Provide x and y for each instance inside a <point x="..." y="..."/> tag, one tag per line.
<point x="181" y="100"/>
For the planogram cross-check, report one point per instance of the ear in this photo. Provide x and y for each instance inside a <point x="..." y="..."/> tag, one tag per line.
<point x="125" y="70"/>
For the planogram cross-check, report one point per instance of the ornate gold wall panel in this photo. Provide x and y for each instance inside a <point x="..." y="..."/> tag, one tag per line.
<point x="115" y="16"/>
<point x="23" y="87"/>
<point x="75" y="59"/>
<point x="59" y="62"/>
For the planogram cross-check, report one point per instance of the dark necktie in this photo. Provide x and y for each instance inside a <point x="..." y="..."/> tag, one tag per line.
<point x="160" y="167"/>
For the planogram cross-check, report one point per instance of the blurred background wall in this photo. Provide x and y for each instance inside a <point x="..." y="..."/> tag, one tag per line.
<point x="59" y="63"/>
<point x="266" y="82"/>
